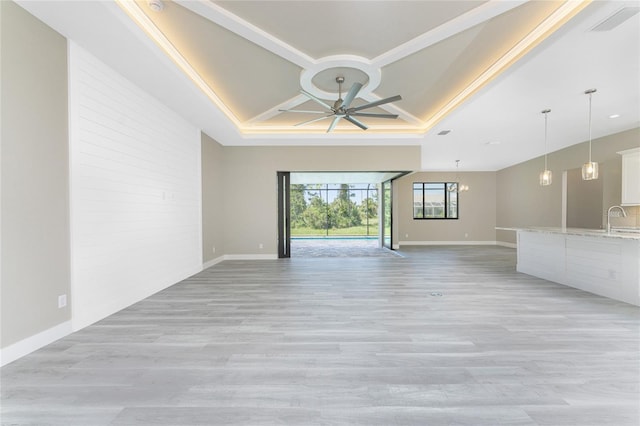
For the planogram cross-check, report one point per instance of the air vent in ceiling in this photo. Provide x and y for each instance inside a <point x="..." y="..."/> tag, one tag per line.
<point x="616" y="19"/>
<point x="444" y="132"/>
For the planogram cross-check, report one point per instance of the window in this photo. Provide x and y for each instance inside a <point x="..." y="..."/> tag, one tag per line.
<point x="333" y="210"/>
<point x="435" y="200"/>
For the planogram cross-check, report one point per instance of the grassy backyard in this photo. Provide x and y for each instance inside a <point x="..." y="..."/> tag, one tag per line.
<point x="354" y="231"/>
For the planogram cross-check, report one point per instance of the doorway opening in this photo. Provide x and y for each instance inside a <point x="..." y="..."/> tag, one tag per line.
<point x="332" y="214"/>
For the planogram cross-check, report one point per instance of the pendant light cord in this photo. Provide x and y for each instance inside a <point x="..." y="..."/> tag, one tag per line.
<point x="546" y="113"/>
<point x="590" y="95"/>
<point x="590" y="92"/>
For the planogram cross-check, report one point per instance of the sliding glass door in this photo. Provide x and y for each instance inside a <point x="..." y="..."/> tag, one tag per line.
<point x="387" y="217"/>
<point x="284" y="215"/>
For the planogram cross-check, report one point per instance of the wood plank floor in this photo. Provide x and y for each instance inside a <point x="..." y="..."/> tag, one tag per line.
<point x="441" y="336"/>
<point x="336" y="247"/>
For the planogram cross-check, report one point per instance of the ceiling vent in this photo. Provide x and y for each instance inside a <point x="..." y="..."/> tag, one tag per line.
<point x="616" y="19"/>
<point x="444" y="132"/>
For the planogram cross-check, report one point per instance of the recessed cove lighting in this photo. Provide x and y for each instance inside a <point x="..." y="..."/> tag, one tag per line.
<point x="614" y="116"/>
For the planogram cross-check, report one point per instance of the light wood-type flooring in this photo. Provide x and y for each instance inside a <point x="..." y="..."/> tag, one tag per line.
<point x="439" y="336"/>
<point x="338" y="247"/>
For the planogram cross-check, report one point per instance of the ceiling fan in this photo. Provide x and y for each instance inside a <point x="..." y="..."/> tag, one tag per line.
<point x="341" y="109"/>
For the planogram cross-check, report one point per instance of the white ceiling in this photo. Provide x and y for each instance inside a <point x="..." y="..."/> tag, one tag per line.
<point x="251" y="58"/>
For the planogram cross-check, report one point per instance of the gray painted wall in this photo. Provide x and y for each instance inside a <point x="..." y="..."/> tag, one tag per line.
<point x="251" y="184"/>
<point x="35" y="175"/>
<point x="477" y="209"/>
<point x="212" y="199"/>
<point x="584" y="200"/>
<point x="522" y="202"/>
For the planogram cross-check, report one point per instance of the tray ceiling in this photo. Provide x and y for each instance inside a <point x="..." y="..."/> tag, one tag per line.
<point x="252" y="58"/>
<point x="260" y="66"/>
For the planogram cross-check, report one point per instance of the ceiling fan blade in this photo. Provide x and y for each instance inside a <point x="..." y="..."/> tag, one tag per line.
<point x="313" y="120"/>
<point x="333" y="123"/>
<point x="356" y="122"/>
<point x="316" y="99"/>
<point x="303" y="110"/>
<point x="355" y="88"/>
<point x="373" y="114"/>
<point x="375" y="103"/>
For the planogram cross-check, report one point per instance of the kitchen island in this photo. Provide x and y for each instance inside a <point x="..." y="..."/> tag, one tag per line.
<point x="607" y="264"/>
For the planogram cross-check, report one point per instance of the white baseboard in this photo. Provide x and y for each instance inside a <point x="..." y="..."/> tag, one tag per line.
<point x="505" y="244"/>
<point x="395" y="246"/>
<point x="83" y="317"/>
<point x="447" y="243"/>
<point x="250" y="256"/>
<point x="33" y="343"/>
<point x="37" y="341"/>
<point x="212" y="262"/>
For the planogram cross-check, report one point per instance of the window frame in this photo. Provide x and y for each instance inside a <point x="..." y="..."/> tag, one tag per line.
<point x="447" y="200"/>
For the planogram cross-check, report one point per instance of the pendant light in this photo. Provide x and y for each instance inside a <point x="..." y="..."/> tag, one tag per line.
<point x="458" y="187"/>
<point x="590" y="169"/>
<point x="546" y="175"/>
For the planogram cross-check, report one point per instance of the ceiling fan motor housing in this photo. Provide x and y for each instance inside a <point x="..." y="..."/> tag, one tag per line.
<point x="342" y="107"/>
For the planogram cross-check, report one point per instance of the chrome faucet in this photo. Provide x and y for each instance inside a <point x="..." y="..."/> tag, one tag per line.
<point x="624" y="214"/>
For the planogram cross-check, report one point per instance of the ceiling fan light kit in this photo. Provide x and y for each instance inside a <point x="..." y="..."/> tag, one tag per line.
<point x="342" y="107"/>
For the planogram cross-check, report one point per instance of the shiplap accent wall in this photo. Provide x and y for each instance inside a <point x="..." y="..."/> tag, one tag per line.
<point x="135" y="192"/>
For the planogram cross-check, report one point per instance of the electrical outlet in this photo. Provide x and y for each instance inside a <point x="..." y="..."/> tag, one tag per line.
<point x="214" y="249"/>
<point x="62" y="301"/>
<point x="406" y="235"/>
<point x="260" y="246"/>
<point x="466" y="235"/>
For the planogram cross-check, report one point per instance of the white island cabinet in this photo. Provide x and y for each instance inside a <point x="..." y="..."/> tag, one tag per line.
<point x="594" y="261"/>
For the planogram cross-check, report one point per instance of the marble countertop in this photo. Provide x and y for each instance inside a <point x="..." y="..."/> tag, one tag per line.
<point x="625" y="233"/>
